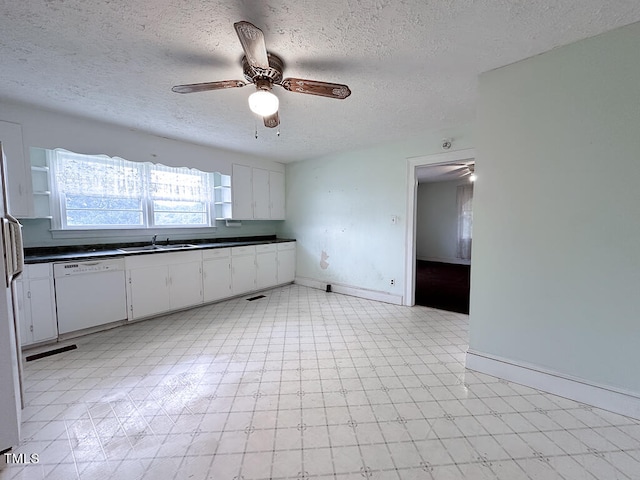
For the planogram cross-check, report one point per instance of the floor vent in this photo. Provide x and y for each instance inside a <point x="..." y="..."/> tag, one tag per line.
<point x="51" y="352"/>
<point x="256" y="298"/>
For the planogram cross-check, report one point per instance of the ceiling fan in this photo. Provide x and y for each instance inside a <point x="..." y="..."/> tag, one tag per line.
<point x="264" y="70"/>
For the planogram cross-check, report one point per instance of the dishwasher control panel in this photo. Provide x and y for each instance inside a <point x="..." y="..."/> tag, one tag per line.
<point x="77" y="268"/>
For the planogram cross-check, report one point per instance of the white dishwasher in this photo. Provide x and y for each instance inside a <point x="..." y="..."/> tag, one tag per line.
<point x="89" y="293"/>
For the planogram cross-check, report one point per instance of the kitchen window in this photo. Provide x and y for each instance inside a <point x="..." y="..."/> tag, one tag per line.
<point x="96" y="192"/>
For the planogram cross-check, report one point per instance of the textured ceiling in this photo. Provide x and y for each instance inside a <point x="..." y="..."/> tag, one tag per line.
<point x="412" y="65"/>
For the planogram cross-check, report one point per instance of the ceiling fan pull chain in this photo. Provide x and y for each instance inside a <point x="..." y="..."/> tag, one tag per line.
<point x="255" y="123"/>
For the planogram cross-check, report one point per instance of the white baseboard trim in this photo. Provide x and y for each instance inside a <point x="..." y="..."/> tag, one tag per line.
<point x="351" y="291"/>
<point x="608" y="398"/>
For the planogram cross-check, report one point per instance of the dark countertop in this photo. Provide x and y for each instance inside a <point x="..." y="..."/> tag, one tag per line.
<point x="101" y="251"/>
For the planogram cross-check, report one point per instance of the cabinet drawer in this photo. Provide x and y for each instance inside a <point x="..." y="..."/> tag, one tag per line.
<point x="266" y="247"/>
<point x="37" y="270"/>
<point x="246" y="250"/>
<point x="286" y="246"/>
<point x="215" y="253"/>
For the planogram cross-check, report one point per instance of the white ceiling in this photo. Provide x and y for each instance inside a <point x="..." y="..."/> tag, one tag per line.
<point x="412" y="65"/>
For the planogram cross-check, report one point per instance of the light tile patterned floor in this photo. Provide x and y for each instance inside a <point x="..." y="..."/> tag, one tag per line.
<point x="302" y="385"/>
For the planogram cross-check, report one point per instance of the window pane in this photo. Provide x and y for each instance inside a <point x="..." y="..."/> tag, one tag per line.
<point x="88" y="218"/>
<point x="102" y="203"/>
<point x="174" y="206"/>
<point x="168" y="183"/>
<point x="175" y="218"/>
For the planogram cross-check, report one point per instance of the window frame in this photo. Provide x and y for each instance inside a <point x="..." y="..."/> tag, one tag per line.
<point x="59" y="200"/>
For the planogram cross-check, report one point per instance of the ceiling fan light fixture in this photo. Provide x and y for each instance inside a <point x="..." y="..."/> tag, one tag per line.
<point x="263" y="103"/>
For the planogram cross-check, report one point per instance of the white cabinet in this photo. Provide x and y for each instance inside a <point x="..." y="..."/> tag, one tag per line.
<point x="258" y="194"/>
<point x="185" y="283"/>
<point x="243" y="269"/>
<point x="18" y="170"/>
<point x="286" y="262"/>
<point x="36" y="304"/>
<point x="241" y="193"/>
<point x="266" y="265"/>
<point x="216" y="274"/>
<point x="276" y="195"/>
<point x="162" y="282"/>
<point x="260" y="189"/>
<point x="148" y="290"/>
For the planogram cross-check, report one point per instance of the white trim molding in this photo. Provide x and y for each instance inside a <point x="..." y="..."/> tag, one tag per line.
<point x="412" y="193"/>
<point x="601" y="396"/>
<point x="351" y="291"/>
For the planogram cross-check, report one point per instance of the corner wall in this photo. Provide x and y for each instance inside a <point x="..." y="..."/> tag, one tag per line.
<point x="556" y="272"/>
<point x="340" y="209"/>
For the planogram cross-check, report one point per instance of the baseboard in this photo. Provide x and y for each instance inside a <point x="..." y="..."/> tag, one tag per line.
<point x="454" y="261"/>
<point x="351" y="291"/>
<point x="605" y="397"/>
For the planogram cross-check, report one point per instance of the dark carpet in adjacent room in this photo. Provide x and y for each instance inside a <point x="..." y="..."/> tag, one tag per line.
<point x="443" y="285"/>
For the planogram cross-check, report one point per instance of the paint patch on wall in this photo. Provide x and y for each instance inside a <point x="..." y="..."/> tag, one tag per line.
<point x="323" y="260"/>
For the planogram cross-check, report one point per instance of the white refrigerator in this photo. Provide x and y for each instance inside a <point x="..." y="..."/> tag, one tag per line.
<point x="10" y="355"/>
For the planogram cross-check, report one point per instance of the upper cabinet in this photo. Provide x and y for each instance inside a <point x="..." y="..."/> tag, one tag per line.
<point x="257" y="194"/>
<point x="276" y="195"/>
<point x="19" y="186"/>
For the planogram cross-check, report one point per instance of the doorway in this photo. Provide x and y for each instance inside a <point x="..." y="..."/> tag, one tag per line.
<point x="450" y="276"/>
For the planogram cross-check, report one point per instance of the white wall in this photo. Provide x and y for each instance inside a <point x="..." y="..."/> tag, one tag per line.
<point x="556" y="272"/>
<point x="339" y="209"/>
<point x="46" y="129"/>
<point x="437" y="222"/>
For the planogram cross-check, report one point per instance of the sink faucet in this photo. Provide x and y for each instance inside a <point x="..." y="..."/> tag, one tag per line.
<point x="153" y="240"/>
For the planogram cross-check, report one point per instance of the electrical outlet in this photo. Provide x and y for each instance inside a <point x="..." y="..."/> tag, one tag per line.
<point x="393" y="281"/>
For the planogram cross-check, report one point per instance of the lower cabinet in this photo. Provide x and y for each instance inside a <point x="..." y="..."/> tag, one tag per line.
<point x="36" y="305"/>
<point x="266" y="265"/>
<point x="286" y="262"/>
<point x="243" y="269"/>
<point x="162" y="282"/>
<point x="216" y="274"/>
<point x="147" y="290"/>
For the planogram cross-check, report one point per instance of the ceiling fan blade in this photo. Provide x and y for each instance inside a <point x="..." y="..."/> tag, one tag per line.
<point x="252" y="40"/>
<point x="272" y="120"/>
<point x="313" y="87"/>
<point x="204" y="87"/>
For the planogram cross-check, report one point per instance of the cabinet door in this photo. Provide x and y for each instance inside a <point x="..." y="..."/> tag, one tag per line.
<point x="261" y="194"/>
<point x="148" y="291"/>
<point x="241" y="193"/>
<point x="24" y="316"/>
<point x="42" y="309"/>
<point x="243" y="274"/>
<point x="276" y="195"/>
<point x="286" y="265"/>
<point x="267" y="270"/>
<point x="18" y="171"/>
<point x="185" y="284"/>
<point x="216" y="278"/>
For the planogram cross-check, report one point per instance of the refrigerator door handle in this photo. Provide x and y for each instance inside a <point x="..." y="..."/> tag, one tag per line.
<point x="14" y="252"/>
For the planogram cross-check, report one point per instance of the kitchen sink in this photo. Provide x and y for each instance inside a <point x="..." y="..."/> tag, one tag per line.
<point x="177" y="246"/>
<point x="157" y="248"/>
<point x="143" y="248"/>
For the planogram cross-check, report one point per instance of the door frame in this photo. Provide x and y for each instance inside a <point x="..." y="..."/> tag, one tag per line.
<point x="413" y="163"/>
